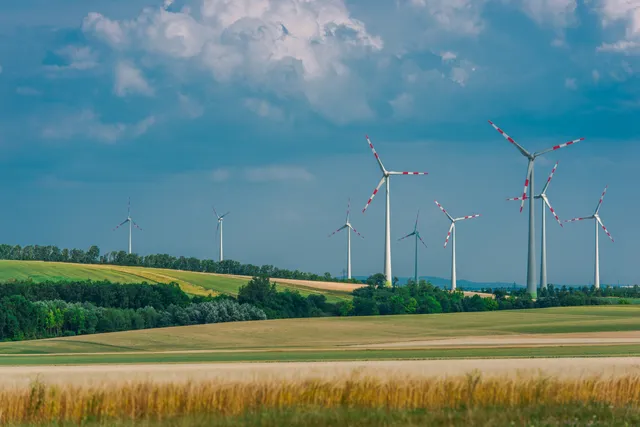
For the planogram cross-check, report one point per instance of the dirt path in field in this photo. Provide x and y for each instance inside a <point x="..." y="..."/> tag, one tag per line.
<point x="240" y="372"/>
<point x="591" y="338"/>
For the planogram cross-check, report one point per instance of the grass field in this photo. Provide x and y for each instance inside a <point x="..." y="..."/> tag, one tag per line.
<point x="191" y="282"/>
<point x="578" y="331"/>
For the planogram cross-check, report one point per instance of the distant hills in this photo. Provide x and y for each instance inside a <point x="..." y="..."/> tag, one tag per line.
<point x="463" y="284"/>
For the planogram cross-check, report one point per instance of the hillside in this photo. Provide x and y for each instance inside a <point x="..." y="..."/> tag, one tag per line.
<point x="506" y="329"/>
<point x="191" y="282"/>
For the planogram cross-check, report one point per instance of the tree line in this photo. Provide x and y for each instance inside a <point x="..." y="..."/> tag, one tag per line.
<point x="122" y="258"/>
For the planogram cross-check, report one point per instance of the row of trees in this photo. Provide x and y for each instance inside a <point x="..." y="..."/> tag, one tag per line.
<point x="22" y="319"/>
<point x="93" y="256"/>
<point x="100" y="293"/>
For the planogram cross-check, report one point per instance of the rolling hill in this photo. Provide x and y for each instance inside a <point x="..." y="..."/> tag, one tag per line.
<point x="191" y="282"/>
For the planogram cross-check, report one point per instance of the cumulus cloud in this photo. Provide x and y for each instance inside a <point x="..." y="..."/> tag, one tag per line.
<point x="571" y="84"/>
<point x="129" y="80"/>
<point x="557" y="13"/>
<point x="87" y="124"/>
<point x="626" y="12"/>
<point x="74" y="58"/>
<point x="281" y="45"/>
<point x="277" y="173"/>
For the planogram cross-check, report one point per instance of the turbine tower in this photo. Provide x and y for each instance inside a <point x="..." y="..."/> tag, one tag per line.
<point x="545" y="202"/>
<point x="386" y="178"/>
<point x="598" y="222"/>
<point x="529" y="184"/>
<point x="130" y="221"/>
<point x="219" y="230"/>
<point x="415" y="233"/>
<point x="348" y="226"/>
<point x="452" y="235"/>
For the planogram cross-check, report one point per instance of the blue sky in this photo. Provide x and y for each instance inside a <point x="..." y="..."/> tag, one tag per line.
<point x="260" y="107"/>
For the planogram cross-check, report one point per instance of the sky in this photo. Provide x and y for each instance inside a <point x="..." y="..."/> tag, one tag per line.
<point x="260" y="107"/>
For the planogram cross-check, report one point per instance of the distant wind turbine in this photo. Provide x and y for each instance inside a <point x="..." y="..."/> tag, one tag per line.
<point x="130" y="221"/>
<point x="452" y="235"/>
<point x="545" y="203"/>
<point x="219" y="230"/>
<point x="529" y="184"/>
<point x="386" y="177"/>
<point x="347" y="225"/>
<point x="415" y="233"/>
<point x="598" y="222"/>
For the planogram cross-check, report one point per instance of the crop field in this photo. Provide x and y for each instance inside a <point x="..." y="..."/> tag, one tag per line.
<point x="191" y="282"/>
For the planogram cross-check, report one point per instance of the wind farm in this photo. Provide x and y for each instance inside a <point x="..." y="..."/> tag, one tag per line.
<point x="241" y="295"/>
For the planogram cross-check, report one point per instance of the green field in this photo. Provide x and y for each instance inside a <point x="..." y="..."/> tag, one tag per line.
<point x="336" y="338"/>
<point x="190" y="282"/>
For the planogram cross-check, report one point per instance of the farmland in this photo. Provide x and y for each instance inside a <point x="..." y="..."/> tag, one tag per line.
<point x="191" y="282"/>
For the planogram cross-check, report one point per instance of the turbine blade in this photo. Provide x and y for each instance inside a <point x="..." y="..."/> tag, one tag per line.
<point x="446" y="242"/>
<point x="121" y="224"/>
<point x="546" y="186"/>
<point x="348" y="209"/>
<point x="604" y="228"/>
<point x="215" y="212"/>
<point x="443" y="210"/>
<point x="338" y="230"/>
<point x="579" y="219"/>
<point x="601" y="199"/>
<point x="516" y="199"/>
<point x="374" y="193"/>
<point x="356" y="231"/>
<point x="557" y="147"/>
<point x="468" y="217"/>
<point x="526" y="184"/>
<point x="415" y="228"/>
<point x="129" y="207"/>
<point x="511" y="140"/>
<point x="384" y="171"/>
<point x="136" y="225"/>
<point x="545" y="200"/>
<point x="225" y="214"/>
<point x="408" y="173"/>
<point x="420" y="237"/>
<point x="408" y="235"/>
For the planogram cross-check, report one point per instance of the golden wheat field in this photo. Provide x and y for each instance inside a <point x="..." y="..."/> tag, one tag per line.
<point x="144" y="401"/>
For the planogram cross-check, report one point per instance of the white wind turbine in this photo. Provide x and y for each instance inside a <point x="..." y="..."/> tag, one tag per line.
<point x="415" y="233"/>
<point x="350" y="228"/>
<point x="529" y="184"/>
<point x="452" y="235"/>
<point x="386" y="177"/>
<point x="130" y="221"/>
<point x="598" y="222"/>
<point x="545" y="202"/>
<point x="219" y="230"/>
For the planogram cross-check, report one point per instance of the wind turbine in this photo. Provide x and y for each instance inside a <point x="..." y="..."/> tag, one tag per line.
<point x="386" y="178"/>
<point x="130" y="221"/>
<point x="219" y="230"/>
<point x="415" y="233"/>
<point x="597" y="221"/>
<point x="452" y="235"/>
<point x="529" y="184"/>
<point x="545" y="202"/>
<point x="348" y="226"/>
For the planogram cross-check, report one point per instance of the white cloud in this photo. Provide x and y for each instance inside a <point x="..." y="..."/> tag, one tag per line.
<point x="286" y="46"/>
<point x="557" y="13"/>
<point x="448" y="56"/>
<point x="129" y="80"/>
<point x="87" y="124"/>
<point x="595" y="75"/>
<point x="190" y="107"/>
<point x="627" y="12"/>
<point x="27" y="91"/>
<point x="77" y="57"/>
<point x="571" y="84"/>
<point x="264" y="109"/>
<point x="403" y="105"/>
<point x="277" y="173"/>
<point x="220" y="175"/>
<point x="456" y="16"/>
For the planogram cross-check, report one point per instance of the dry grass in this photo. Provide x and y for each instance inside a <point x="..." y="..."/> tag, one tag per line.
<point x="41" y="403"/>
